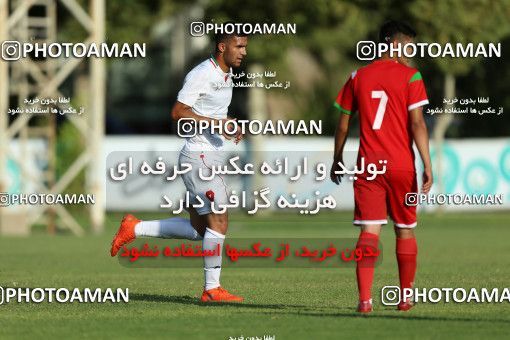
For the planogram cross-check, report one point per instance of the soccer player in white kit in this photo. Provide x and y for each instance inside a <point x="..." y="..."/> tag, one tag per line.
<point x="201" y="99"/>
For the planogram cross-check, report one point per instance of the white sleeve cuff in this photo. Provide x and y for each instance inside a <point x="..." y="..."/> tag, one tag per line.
<point x="418" y="104"/>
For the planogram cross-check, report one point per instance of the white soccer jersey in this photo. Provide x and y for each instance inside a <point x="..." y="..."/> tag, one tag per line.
<point x="208" y="91"/>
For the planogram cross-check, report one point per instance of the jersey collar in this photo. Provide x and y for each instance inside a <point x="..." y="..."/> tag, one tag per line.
<point x="214" y="62"/>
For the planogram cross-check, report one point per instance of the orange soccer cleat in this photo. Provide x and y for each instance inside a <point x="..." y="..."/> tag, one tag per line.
<point x="125" y="234"/>
<point x="365" y="306"/>
<point x="219" y="295"/>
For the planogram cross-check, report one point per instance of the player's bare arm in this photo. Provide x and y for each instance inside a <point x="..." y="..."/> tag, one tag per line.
<point x="342" y="130"/>
<point x="421" y="138"/>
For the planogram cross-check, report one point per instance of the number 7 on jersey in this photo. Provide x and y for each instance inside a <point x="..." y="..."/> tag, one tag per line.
<point x="381" y="109"/>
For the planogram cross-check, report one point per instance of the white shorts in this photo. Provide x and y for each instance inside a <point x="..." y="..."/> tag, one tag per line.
<point x="215" y="189"/>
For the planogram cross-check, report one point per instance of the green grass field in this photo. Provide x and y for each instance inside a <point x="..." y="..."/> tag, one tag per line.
<point x="455" y="250"/>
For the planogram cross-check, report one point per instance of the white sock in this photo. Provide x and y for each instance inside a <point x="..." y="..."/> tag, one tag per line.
<point x="212" y="264"/>
<point x="176" y="227"/>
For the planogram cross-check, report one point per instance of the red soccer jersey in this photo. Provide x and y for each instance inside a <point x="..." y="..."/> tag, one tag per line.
<point x="383" y="93"/>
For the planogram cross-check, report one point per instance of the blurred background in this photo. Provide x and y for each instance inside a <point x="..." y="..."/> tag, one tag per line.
<point x="128" y="101"/>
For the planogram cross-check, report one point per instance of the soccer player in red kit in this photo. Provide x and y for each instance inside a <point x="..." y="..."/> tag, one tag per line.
<point x="389" y="96"/>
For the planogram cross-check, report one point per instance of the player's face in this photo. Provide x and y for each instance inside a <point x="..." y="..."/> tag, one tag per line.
<point x="235" y="51"/>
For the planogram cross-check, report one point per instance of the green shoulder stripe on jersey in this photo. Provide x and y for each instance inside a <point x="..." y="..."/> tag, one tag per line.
<point x="415" y="77"/>
<point x="214" y="60"/>
<point x="347" y="112"/>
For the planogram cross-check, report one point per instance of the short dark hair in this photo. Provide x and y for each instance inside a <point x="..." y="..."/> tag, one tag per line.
<point x="223" y="37"/>
<point x="392" y="28"/>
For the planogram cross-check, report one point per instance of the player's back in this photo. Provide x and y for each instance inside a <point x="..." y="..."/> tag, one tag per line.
<point x="384" y="92"/>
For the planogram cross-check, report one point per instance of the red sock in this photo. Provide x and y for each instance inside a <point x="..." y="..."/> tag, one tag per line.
<point x="407" y="250"/>
<point x="365" y="267"/>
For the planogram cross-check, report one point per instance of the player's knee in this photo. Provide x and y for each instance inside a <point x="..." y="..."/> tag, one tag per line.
<point x="404" y="232"/>
<point x="372" y="228"/>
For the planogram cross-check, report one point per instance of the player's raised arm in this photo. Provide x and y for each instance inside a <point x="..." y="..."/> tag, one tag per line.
<point x="342" y="130"/>
<point x="421" y="138"/>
